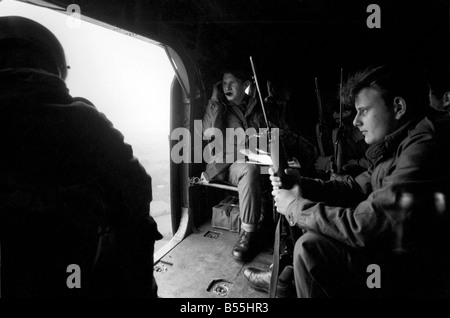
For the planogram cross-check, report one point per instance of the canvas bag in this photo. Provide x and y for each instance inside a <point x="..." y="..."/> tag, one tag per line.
<point x="226" y="215"/>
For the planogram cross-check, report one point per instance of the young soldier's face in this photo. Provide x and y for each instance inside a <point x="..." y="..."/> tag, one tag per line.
<point x="233" y="88"/>
<point x="374" y="118"/>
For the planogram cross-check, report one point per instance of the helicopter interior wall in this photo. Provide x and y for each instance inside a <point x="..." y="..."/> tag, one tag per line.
<point x="323" y="31"/>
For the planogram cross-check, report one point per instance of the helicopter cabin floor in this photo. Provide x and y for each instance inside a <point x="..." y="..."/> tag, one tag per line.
<point x="201" y="266"/>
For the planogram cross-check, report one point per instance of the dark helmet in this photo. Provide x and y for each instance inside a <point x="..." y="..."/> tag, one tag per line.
<point x="15" y="30"/>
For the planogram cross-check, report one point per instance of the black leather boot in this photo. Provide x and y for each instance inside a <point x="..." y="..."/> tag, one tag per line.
<point x="246" y="247"/>
<point x="260" y="280"/>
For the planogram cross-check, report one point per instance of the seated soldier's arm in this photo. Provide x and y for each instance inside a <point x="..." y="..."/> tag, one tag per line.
<point x="213" y="117"/>
<point x="376" y="217"/>
<point x="346" y="192"/>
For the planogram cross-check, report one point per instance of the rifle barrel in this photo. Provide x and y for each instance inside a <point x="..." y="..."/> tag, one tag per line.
<point x="319" y="99"/>
<point x="340" y="99"/>
<point x="259" y="93"/>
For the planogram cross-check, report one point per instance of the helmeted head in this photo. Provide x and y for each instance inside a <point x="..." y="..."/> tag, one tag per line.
<point x="25" y="43"/>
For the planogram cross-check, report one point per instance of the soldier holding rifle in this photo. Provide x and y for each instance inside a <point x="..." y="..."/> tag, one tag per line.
<point x="386" y="216"/>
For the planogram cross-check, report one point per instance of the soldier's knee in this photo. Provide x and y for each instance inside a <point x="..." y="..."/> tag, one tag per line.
<point x="250" y="171"/>
<point x="310" y="247"/>
<point x="304" y="243"/>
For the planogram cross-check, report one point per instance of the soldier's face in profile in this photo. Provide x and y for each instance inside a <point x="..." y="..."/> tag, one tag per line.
<point x="374" y="118"/>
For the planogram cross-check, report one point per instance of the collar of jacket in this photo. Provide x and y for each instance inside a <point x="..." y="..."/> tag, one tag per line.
<point x="247" y="105"/>
<point x="243" y="110"/>
<point x="33" y="85"/>
<point x="377" y="152"/>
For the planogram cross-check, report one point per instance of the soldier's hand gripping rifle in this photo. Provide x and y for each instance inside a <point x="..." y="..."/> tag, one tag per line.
<point x="279" y="164"/>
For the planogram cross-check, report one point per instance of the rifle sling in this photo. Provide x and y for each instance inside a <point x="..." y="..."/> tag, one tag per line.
<point x="276" y="258"/>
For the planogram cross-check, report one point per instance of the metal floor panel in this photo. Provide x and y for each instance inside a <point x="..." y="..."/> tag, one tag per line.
<point x="200" y="263"/>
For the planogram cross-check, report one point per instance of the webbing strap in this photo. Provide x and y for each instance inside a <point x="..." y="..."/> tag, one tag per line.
<point x="276" y="259"/>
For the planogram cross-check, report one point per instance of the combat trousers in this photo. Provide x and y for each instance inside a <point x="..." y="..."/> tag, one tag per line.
<point x="324" y="267"/>
<point x="247" y="179"/>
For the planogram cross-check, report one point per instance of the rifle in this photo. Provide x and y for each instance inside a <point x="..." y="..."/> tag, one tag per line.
<point x="279" y="164"/>
<point x="339" y="136"/>
<point x="277" y="150"/>
<point x="319" y="125"/>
